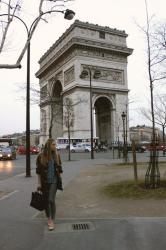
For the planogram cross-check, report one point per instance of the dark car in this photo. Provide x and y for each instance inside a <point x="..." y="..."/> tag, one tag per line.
<point x="7" y="154"/>
<point x="138" y="148"/>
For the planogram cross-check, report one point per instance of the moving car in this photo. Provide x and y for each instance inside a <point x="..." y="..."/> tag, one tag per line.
<point x="157" y="147"/>
<point x="100" y="148"/>
<point x="138" y="148"/>
<point x="84" y="147"/>
<point x="21" y="150"/>
<point x="6" y="153"/>
<point x="33" y="150"/>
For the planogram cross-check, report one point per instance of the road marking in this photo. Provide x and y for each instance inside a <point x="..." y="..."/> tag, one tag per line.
<point x="24" y="174"/>
<point x="8" y="195"/>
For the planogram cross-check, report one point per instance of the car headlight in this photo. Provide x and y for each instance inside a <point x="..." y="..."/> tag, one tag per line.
<point x="9" y="155"/>
<point x="1" y="155"/>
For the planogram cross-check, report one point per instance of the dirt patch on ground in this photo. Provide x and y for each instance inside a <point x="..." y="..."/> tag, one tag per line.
<point x="83" y="197"/>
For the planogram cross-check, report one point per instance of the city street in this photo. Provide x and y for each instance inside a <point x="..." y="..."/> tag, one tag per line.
<point x="18" y="166"/>
<point x="24" y="228"/>
<point x="9" y="168"/>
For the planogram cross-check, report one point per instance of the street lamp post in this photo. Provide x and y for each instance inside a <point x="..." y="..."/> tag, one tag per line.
<point x="91" y="114"/>
<point x="68" y="14"/>
<point x="28" y="159"/>
<point x="96" y="75"/>
<point x="124" y="136"/>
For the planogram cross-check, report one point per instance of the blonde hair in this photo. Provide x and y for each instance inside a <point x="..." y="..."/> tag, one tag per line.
<point x="47" y="153"/>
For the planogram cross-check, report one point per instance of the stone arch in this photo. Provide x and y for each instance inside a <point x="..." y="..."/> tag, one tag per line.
<point x="110" y="98"/>
<point x="56" y="88"/>
<point x="104" y="119"/>
<point x="57" y="129"/>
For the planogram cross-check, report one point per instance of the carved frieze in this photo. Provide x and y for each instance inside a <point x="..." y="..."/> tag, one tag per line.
<point x="69" y="76"/>
<point x="112" y="75"/>
<point x="107" y="74"/>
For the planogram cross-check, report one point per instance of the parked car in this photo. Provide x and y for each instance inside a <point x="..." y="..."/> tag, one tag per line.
<point x="84" y="147"/>
<point x="6" y="153"/>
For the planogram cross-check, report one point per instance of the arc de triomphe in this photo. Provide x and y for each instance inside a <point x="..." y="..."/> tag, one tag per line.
<point x="96" y="48"/>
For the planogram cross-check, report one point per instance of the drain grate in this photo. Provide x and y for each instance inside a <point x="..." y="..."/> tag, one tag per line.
<point x="81" y="226"/>
<point x="72" y="227"/>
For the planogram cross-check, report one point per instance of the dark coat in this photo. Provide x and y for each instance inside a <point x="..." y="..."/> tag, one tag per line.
<point x="42" y="170"/>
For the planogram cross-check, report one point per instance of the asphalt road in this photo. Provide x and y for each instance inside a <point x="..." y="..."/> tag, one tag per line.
<point x="10" y="168"/>
<point x="18" y="166"/>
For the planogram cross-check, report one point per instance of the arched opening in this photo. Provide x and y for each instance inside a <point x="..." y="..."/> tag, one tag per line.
<point x="57" y="110"/>
<point x="103" y="119"/>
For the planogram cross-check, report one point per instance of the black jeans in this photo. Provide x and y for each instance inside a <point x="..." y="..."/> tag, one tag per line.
<point x="51" y="206"/>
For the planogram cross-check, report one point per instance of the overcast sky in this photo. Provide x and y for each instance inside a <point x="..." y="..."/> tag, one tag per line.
<point x="120" y="14"/>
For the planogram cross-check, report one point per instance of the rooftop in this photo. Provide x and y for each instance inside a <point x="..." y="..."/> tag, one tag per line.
<point x="91" y="26"/>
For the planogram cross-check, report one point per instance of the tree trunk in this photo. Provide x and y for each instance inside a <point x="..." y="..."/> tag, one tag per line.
<point x="163" y="128"/>
<point x="69" y="156"/>
<point x="51" y="124"/>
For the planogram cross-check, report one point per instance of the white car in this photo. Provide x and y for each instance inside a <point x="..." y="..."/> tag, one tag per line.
<point x="58" y="147"/>
<point x="84" y="147"/>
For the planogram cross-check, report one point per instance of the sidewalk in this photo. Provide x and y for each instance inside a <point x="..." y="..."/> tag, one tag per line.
<point x="83" y="197"/>
<point x="116" y="222"/>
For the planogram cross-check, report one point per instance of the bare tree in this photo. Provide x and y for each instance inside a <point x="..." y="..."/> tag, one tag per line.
<point x="55" y="104"/>
<point x="155" y="60"/>
<point x="159" y="38"/>
<point x="12" y="8"/>
<point x="68" y="118"/>
<point x="159" y="113"/>
<point x="44" y="96"/>
<point x="7" y="17"/>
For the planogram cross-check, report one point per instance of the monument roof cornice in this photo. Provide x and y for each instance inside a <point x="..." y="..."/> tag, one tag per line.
<point x="96" y="90"/>
<point x="77" y="41"/>
<point x="87" y="25"/>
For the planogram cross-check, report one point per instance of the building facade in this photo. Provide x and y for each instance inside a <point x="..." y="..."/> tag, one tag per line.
<point x="92" y="48"/>
<point x="142" y="133"/>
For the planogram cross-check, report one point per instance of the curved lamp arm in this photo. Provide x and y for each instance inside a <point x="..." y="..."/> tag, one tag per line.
<point x="68" y="14"/>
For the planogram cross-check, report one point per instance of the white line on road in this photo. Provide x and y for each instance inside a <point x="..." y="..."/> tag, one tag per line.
<point x="8" y="195"/>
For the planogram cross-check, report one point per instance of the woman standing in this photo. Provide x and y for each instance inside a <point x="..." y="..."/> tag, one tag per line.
<point x="49" y="178"/>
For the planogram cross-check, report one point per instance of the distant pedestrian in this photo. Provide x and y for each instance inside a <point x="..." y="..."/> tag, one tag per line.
<point x="49" y="171"/>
